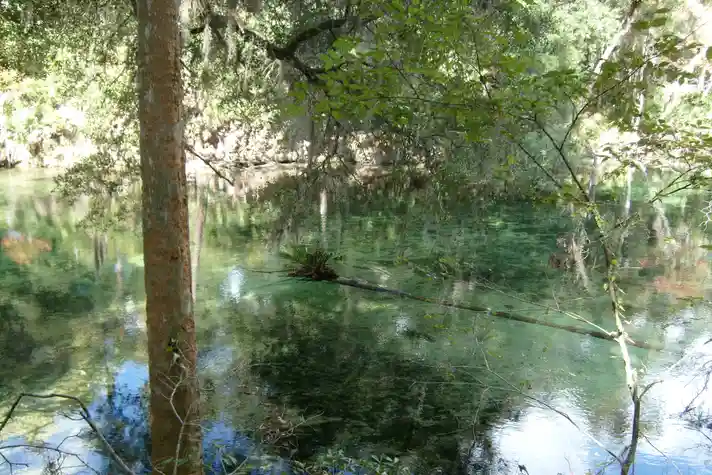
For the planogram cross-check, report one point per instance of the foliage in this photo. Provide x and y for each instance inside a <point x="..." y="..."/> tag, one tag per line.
<point x="70" y="101"/>
<point x="313" y="264"/>
<point x="34" y="120"/>
<point x="336" y="461"/>
<point x="476" y="93"/>
<point x="491" y="100"/>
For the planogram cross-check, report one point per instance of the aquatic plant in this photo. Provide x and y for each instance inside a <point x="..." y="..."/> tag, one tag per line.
<point x="311" y="263"/>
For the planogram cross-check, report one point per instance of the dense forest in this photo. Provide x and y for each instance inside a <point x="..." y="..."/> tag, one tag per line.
<point x="439" y="216"/>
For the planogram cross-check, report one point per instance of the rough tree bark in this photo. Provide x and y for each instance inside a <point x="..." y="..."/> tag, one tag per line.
<point x="175" y="430"/>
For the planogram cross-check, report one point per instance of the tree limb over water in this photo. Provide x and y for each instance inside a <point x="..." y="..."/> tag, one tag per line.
<point x="288" y="52"/>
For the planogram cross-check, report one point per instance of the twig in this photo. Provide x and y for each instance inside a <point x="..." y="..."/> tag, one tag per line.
<point x="210" y="165"/>
<point x="662" y="193"/>
<point x="622" y="336"/>
<point x="85" y="415"/>
<point x="671" y="461"/>
<point x="12" y="464"/>
<point x="61" y="452"/>
<point x="560" y="149"/>
<point x="185" y="374"/>
<point x="558" y="411"/>
<point x="276" y="271"/>
<point x="557" y="309"/>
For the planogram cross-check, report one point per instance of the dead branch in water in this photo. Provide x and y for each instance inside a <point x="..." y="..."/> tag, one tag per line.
<point x="610" y="336"/>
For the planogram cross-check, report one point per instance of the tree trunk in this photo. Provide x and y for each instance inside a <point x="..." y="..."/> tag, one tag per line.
<point x="99" y="252"/>
<point x="323" y="208"/>
<point x="617" y="39"/>
<point x="172" y="353"/>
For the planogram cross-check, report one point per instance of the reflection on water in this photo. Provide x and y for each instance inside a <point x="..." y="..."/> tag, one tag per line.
<point x="330" y="376"/>
<point x="231" y="287"/>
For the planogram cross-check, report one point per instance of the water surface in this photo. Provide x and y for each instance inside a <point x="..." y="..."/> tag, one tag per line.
<point x="324" y="374"/>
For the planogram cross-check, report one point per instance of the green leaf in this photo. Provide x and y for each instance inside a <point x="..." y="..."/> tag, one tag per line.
<point x="343" y="44"/>
<point x="658" y="21"/>
<point x="641" y="25"/>
<point x="294" y="110"/>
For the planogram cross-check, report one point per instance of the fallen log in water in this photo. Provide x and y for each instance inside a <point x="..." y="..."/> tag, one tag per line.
<point x="611" y="336"/>
<point x="324" y="273"/>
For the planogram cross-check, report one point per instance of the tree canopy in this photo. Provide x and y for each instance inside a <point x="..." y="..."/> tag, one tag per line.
<point x="517" y="92"/>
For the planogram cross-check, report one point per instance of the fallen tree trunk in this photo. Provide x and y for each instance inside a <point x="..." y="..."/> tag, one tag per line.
<point x="610" y="336"/>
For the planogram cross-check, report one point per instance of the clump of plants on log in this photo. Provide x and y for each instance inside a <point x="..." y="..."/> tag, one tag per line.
<point x="312" y="264"/>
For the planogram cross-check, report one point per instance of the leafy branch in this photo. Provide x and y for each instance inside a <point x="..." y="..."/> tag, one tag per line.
<point x="610" y="262"/>
<point x="288" y="52"/>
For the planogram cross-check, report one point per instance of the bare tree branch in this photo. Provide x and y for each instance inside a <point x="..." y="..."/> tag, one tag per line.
<point x="558" y="411"/>
<point x="12" y="464"/>
<point x="84" y="412"/>
<point x="209" y="164"/>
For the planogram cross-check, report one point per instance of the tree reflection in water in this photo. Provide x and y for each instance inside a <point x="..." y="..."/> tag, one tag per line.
<point x="354" y="391"/>
<point x="325" y="386"/>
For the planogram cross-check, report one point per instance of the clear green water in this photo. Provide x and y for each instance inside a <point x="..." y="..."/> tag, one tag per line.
<point x="295" y="369"/>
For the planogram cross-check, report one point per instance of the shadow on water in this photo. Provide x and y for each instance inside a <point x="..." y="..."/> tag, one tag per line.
<point x="322" y="382"/>
<point x="297" y="374"/>
<point x="355" y="387"/>
<point x="122" y="415"/>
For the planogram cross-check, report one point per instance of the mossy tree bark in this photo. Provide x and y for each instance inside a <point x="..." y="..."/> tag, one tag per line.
<point x="174" y="398"/>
